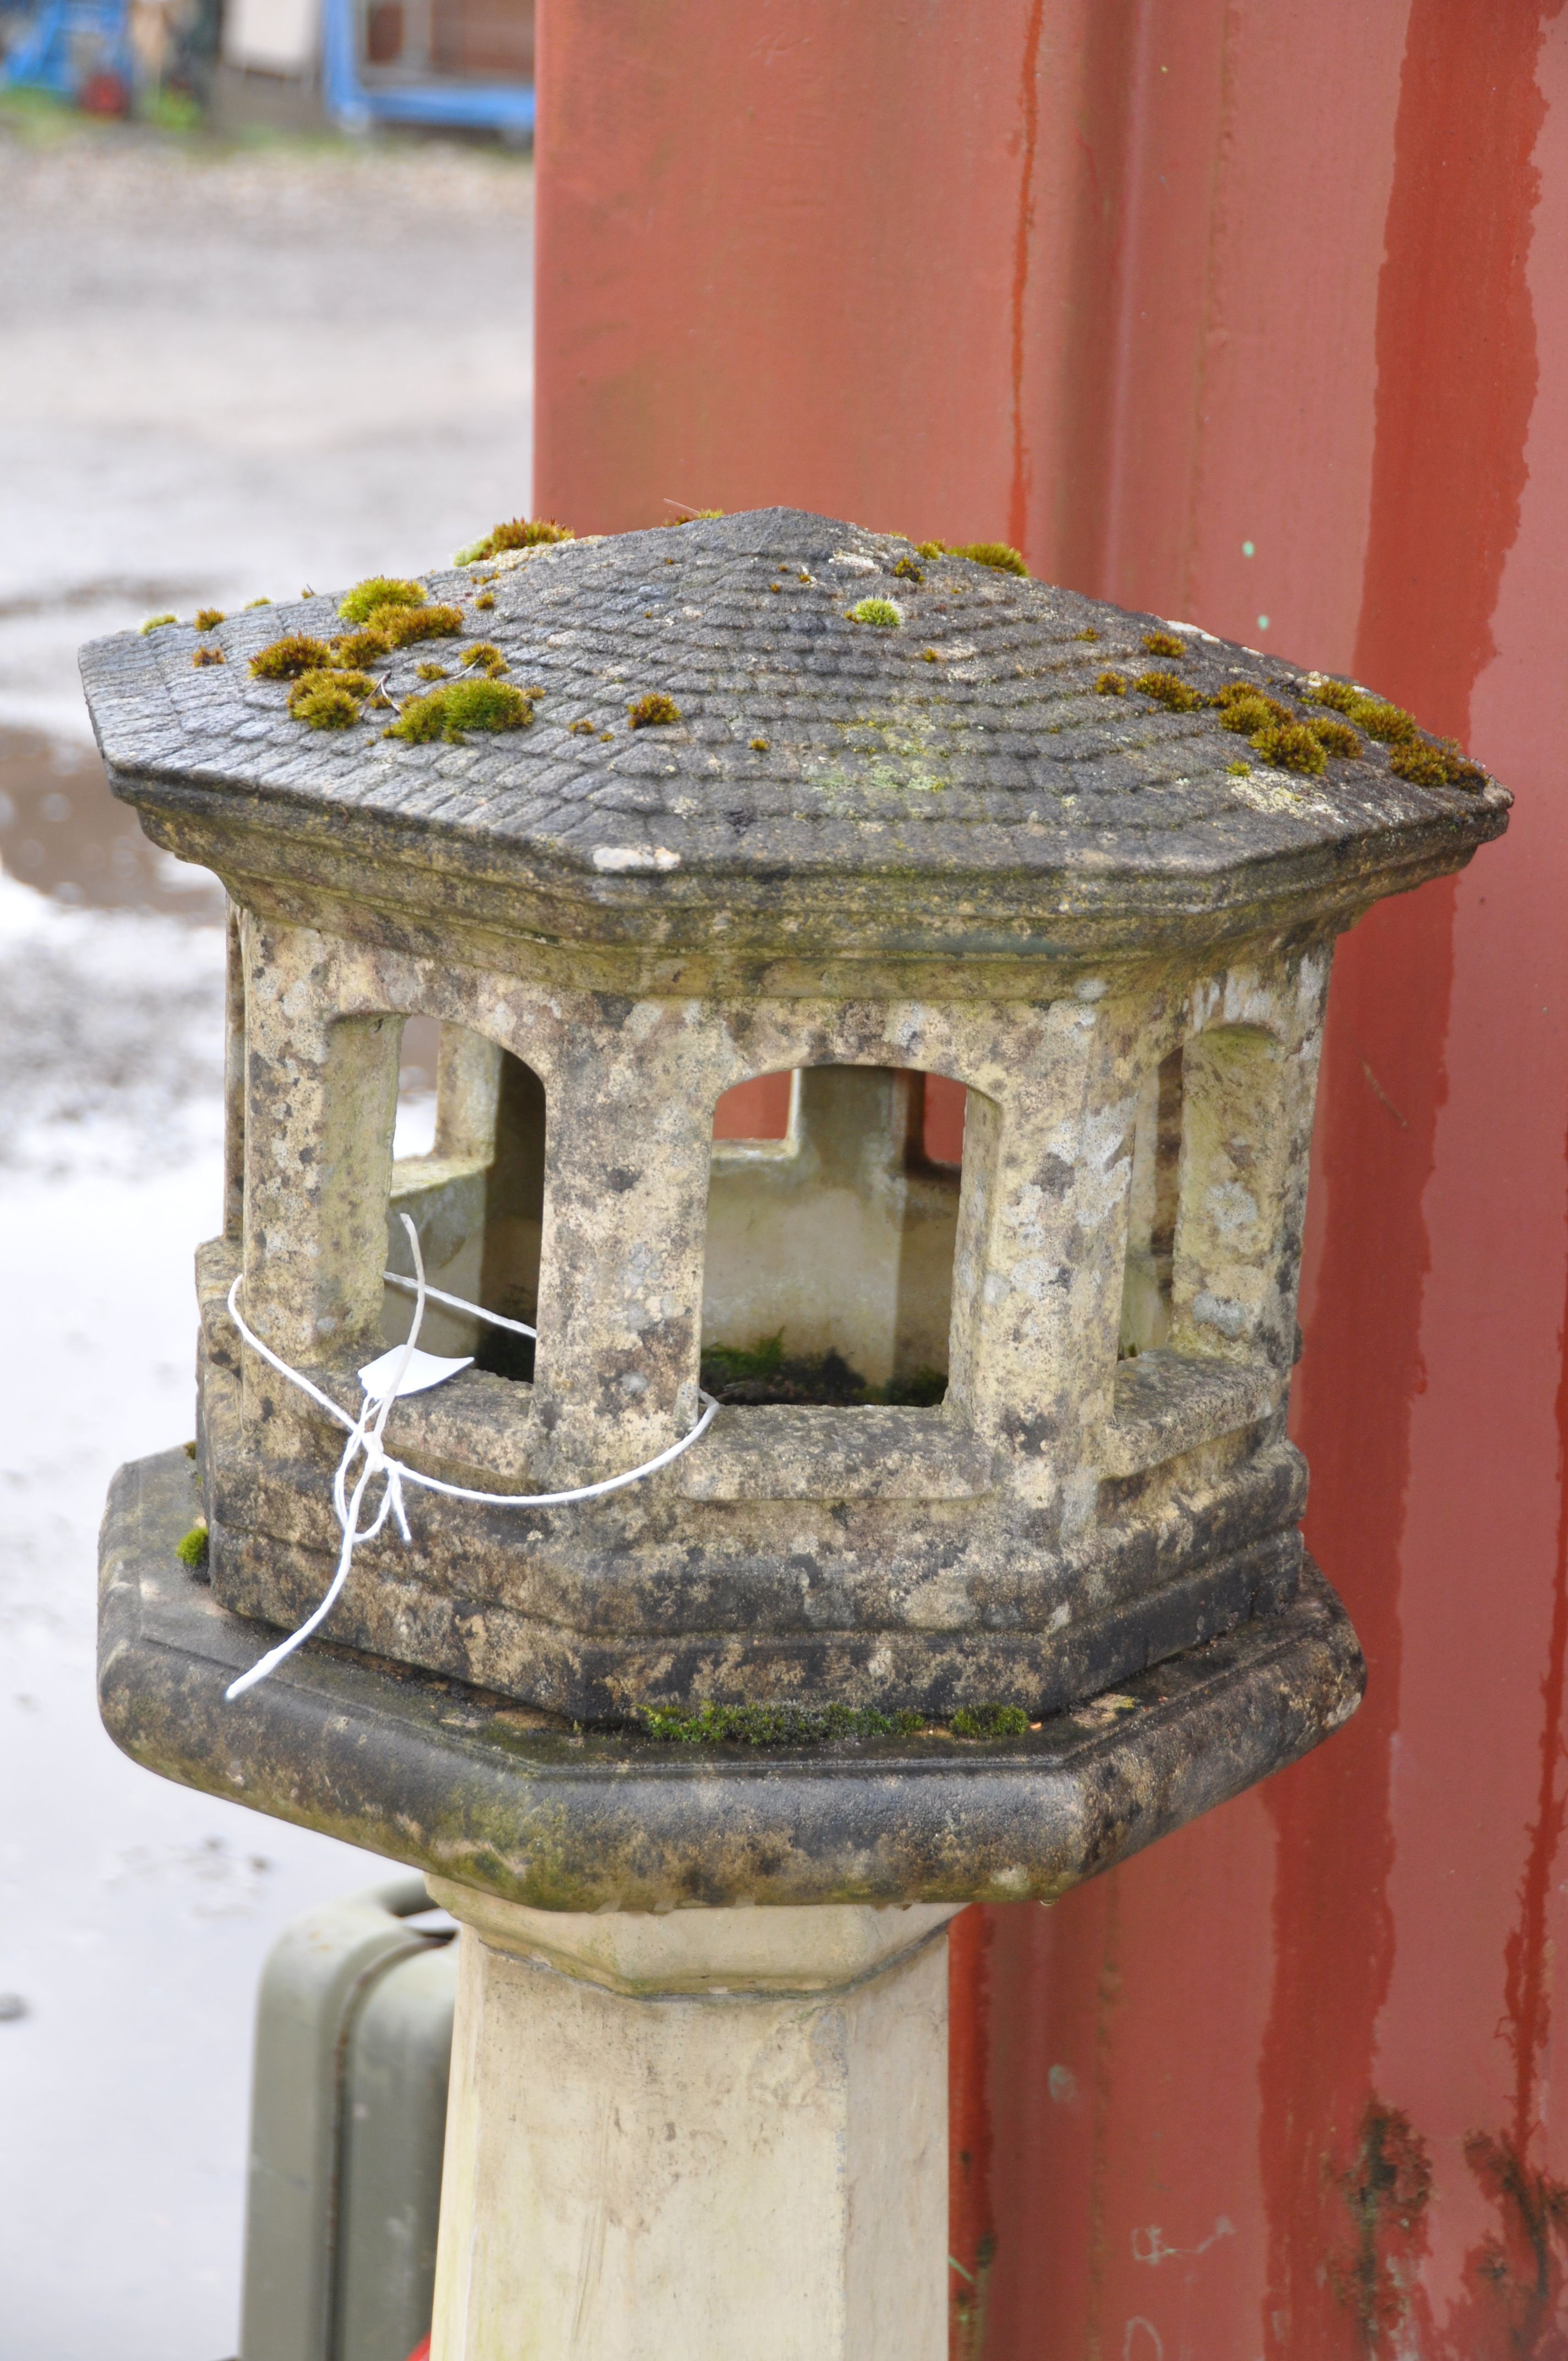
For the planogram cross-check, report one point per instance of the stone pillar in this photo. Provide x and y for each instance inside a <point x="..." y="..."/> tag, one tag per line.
<point x="704" y="2133"/>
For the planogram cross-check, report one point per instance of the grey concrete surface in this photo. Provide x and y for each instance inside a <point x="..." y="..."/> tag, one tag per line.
<point x="221" y="375"/>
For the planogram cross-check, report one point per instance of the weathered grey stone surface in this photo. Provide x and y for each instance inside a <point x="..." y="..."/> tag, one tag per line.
<point x="947" y="855"/>
<point x="469" y="1787"/>
<point x="1043" y="818"/>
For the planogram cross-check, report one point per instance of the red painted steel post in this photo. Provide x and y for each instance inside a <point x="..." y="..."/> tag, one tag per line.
<point x="1253" y="313"/>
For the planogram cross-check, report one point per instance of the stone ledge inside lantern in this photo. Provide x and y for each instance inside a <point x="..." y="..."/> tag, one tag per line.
<point x="955" y="854"/>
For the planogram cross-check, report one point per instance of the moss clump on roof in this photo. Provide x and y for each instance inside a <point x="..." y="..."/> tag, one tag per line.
<point x="1166" y="689"/>
<point x="907" y="571"/>
<point x="207" y="657"/>
<point x="1334" y="737"/>
<point x="252" y="603"/>
<point x="1164" y="643"/>
<point x="1289" y="746"/>
<point x="486" y="599"/>
<point x="461" y="704"/>
<point x="880" y="611"/>
<point x="376" y="593"/>
<point x="582" y="728"/>
<point x="1088" y="632"/>
<point x="654" y="711"/>
<point x="1247" y="710"/>
<point x="759" y="745"/>
<point x="484" y="656"/>
<point x="156" y="623"/>
<point x="288" y="658"/>
<point x="361" y="647"/>
<point x="192" y="1548"/>
<point x="330" y="700"/>
<point x="997" y="555"/>
<point x="1424" y="761"/>
<point x="1111" y="684"/>
<point x="209" y="618"/>
<point x="405" y="625"/>
<point x="515" y="533"/>
<point x="431" y="671"/>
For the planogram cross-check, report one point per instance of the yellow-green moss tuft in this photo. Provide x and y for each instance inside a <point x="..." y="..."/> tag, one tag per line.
<point x="428" y="671"/>
<point x="461" y="705"/>
<point x="516" y="533"/>
<point x="484" y="656"/>
<point x="994" y="553"/>
<point x="931" y="549"/>
<point x="1089" y="632"/>
<point x="1111" y="684"/>
<point x="486" y="599"/>
<point x="582" y="728"/>
<point x="404" y="625"/>
<point x="192" y="1548"/>
<point x="1341" y="694"/>
<point x="209" y="618"/>
<point x="1389" y="722"/>
<point x="376" y="593"/>
<point x="1427" y="765"/>
<point x="251" y="604"/>
<point x="1289" y="746"/>
<point x="1247" y="710"/>
<point x="1239" y="770"/>
<point x="1164" y="643"/>
<point x="156" y="623"/>
<point x="880" y="611"/>
<point x="907" y="571"/>
<point x="1335" y="737"/>
<point x="330" y="700"/>
<point x="361" y="647"/>
<point x="288" y="658"/>
<point x="931" y="655"/>
<point x="207" y="657"/>
<point x="1166" y="689"/>
<point x="989" y="1721"/>
<point x="653" y="711"/>
<point x="759" y="745"/>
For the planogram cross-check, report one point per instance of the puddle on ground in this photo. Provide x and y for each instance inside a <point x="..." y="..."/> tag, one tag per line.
<point x="62" y="832"/>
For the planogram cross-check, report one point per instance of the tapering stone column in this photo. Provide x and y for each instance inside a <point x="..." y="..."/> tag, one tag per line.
<point x="702" y="2133"/>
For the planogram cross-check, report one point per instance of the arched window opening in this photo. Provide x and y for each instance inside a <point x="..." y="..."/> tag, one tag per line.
<point x="829" y="1259"/>
<point x="476" y="1198"/>
<point x="1152" y="1207"/>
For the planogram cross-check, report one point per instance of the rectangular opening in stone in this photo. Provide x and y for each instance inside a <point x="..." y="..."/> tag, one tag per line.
<point x="829" y="1254"/>
<point x="1152" y="1207"/>
<point x="475" y="1194"/>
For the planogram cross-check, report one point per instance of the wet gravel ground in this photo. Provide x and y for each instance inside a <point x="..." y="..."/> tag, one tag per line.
<point x="221" y="375"/>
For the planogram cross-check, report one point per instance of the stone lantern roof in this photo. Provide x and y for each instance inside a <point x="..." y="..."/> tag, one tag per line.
<point x="1060" y="772"/>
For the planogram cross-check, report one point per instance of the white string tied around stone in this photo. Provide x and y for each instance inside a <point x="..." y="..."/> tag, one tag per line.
<point x="383" y="1381"/>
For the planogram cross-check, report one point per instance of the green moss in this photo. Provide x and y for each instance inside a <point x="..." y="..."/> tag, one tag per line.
<point x="330" y="700"/>
<point x="1290" y="746"/>
<point x="995" y="554"/>
<point x="486" y="599"/>
<point x="989" y="1721"/>
<point x="405" y="625"/>
<point x="929" y="656"/>
<point x="759" y="745"/>
<point x="1089" y="632"/>
<point x="209" y="618"/>
<point x="1425" y="764"/>
<point x="1164" y="643"/>
<point x="207" y="657"/>
<point x="880" y="611"/>
<point x="1335" y="738"/>
<point x="1423" y="767"/>
<point x="1111" y="684"/>
<point x="654" y="711"/>
<point x="931" y="549"/>
<point x="192" y="1548"/>
<point x="1239" y="770"/>
<point x="517" y="532"/>
<point x="907" y="571"/>
<point x="361" y="647"/>
<point x="1341" y="694"/>
<point x="288" y="658"/>
<point x="583" y="729"/>
<point x="1389" y="722"/>
<point x="1247" y="710"/>
<point x="693" y="516"/>
<point x="782" y="1724"/>
<point x="461" y="705"/>
<point x="428" y="671"/>
<point x="156" y="623"/>
<point x="1166" y="689"/>
<point x="376" y="593"/>
<point x="484" y="656"/>
<point x="251" y="604"/>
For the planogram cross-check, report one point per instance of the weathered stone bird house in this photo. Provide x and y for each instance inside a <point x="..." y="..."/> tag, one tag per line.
<point x="999" y="1433"/>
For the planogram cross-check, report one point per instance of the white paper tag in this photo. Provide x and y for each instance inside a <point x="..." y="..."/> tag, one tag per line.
<point x="425" y="1370"/>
